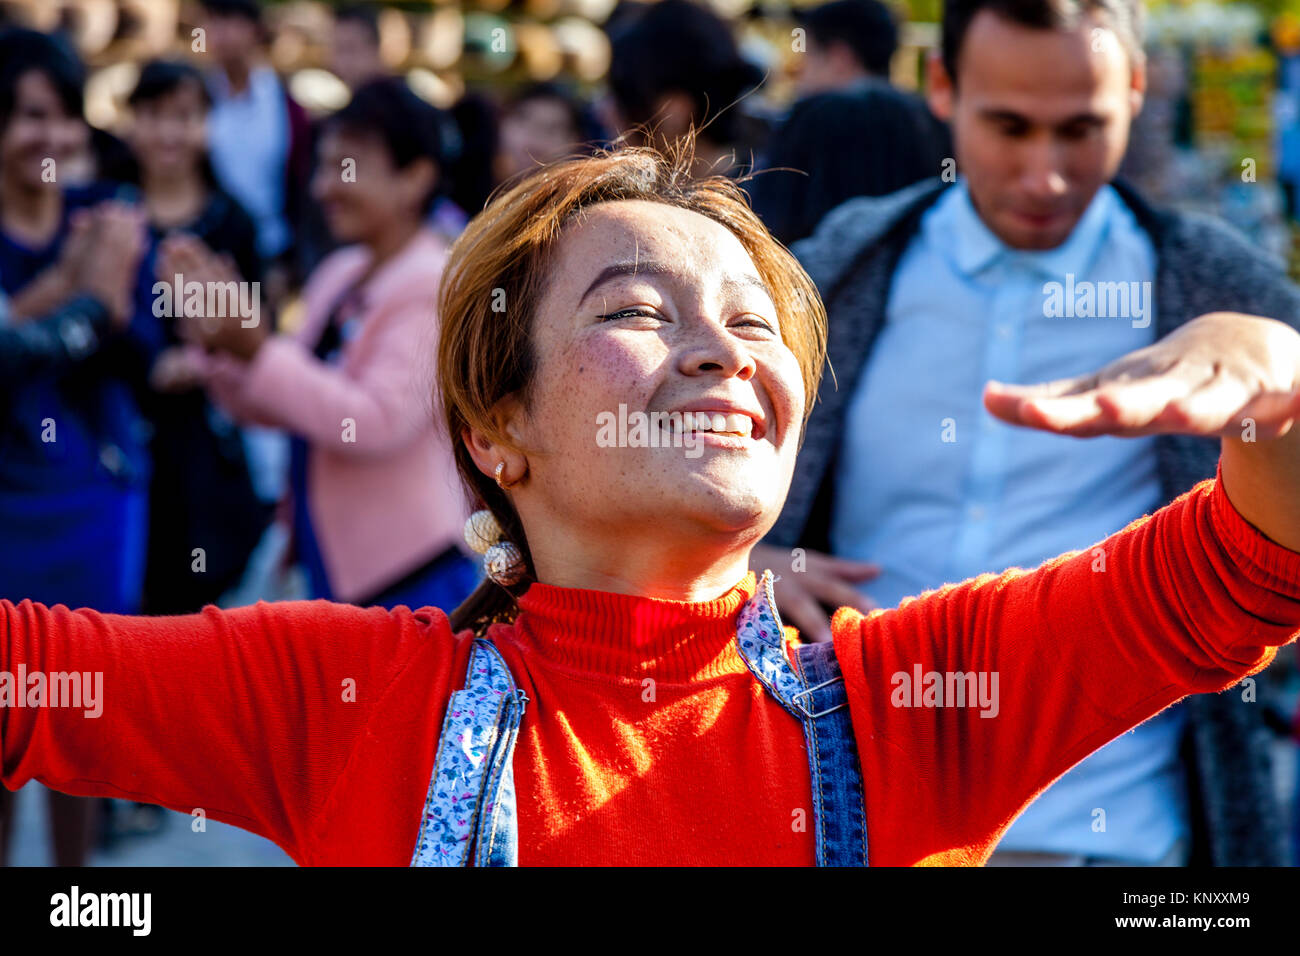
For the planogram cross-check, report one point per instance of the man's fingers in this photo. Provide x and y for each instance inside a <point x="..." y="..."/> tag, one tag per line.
<point x="844" y="568"/>
<point x="836" y="592"/>
<point x="1112" y="408"/>
<point x="1138" y="403"/>
<point x="1007" y="401"/>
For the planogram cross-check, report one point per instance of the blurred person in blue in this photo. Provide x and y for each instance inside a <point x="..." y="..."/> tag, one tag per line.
<point x="256" y="132"/>
<point x="259" y="142"/>
<point x="76" y="341"/>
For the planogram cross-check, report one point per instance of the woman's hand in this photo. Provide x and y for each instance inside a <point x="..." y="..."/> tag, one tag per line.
<point x="106" y="252"/>
<point x="1235" y="377"/>
<point x="191" y="259"/>
<point x="177" y="369"/>
<point x="99" y="257"/>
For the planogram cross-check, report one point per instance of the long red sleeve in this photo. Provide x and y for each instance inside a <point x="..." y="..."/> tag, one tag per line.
<point x="646" y="740"/>
<point x="250" y="715"/>
<point x="1191" y="599"/>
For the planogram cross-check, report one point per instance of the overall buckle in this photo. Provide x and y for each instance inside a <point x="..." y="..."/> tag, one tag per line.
<point x="795" y="699"/>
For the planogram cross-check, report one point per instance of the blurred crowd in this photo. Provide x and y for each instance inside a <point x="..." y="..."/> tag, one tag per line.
<point x="217" y="324"/>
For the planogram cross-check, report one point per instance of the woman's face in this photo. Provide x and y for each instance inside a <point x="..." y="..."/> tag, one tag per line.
<point x="654" y="309"/>
<point x="169" y="134"/>
<point x="535" y="132"/>
<point x="362" y="193"/>
<point x="39" y="131"/>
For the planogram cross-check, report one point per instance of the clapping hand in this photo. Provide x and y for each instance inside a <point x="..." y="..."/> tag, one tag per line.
<point x="190" y="258"/>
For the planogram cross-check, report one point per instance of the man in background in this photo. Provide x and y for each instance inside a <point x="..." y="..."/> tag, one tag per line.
<point x="354" y="46"/>
<point x="935" y="289"/>
<point x="848" y="43"/>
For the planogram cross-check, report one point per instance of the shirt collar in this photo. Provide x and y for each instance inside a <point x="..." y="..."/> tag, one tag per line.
<point x="974" y="247"/>
<point x="259" y="84"/>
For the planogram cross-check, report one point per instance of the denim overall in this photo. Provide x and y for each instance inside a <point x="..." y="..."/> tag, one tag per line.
<point x="469" y="813"/>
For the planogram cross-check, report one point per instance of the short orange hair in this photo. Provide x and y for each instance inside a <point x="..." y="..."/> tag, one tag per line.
<point x="497" y="271"/>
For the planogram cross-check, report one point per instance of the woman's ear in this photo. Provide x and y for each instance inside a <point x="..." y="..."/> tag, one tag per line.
<point x="488" y="451"/>
<point x="421" y="177"/>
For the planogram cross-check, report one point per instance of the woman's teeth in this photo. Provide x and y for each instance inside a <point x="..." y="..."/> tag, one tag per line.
<point x="733" y="424"/>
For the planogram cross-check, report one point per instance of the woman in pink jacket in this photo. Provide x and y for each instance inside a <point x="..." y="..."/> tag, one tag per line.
<point x="377" y="508"/>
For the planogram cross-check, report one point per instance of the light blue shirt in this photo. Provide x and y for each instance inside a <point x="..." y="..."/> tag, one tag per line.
<point x="248" y="142"/>
<point x="934" y="489"/>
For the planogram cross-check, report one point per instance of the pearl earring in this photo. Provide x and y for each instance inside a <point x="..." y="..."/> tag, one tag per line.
<point x="502" y="560"/>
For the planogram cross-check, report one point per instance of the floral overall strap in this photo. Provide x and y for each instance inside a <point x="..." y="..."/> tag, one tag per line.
<point x="813" y="692"/>
<point x="469" y="813"/>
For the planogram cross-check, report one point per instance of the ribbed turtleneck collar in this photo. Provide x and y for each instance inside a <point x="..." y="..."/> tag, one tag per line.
<point x="624" y="636"/>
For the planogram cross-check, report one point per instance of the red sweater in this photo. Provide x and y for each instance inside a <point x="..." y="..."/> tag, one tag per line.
<point x="315" y="724"/>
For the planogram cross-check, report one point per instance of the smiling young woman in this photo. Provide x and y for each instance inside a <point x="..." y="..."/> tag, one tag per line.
<point x="632" y="697"/>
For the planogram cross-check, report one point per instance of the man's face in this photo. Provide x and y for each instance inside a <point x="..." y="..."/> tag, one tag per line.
<point x="354" y="55"/>
<point x="1040" y="121"/>
<point x="823" y="69"/>
<point x="232" y="38"/>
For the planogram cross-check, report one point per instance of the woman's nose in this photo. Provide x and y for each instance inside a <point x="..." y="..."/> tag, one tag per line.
<point x="710" y="347"/>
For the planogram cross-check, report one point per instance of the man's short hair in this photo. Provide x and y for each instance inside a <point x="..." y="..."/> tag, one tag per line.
<point x="1126" y="18"/>
<point x="866" y="27"/>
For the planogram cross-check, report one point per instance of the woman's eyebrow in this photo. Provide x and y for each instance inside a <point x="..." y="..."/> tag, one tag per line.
<point x="650" y="267"/>
<point x="748" y="279"/>
<point x="643" y="267"/>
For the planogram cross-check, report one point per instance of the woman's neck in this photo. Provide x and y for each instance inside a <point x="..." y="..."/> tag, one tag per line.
<point x="668" y="570"/>
<point x="30" y="215"/>
<point x="390" y="242"/>
<point x="173" y="199"/>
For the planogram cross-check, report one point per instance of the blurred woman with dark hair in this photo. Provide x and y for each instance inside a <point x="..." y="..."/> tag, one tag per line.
<point x="377" y="511"/>
<point x="202" y="495"/>
<point x="74" y="466"/>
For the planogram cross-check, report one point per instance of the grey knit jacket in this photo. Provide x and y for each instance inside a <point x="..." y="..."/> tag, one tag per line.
<point x="1202" y="266"/>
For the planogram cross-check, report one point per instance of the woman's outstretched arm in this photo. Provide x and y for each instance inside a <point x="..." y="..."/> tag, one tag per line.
<point x="248" y="715"/>
<point x="970" y="700"/>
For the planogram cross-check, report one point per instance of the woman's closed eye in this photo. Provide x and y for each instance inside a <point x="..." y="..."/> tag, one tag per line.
<point x="748" y="319"/>
<point x="627" y="313"/>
